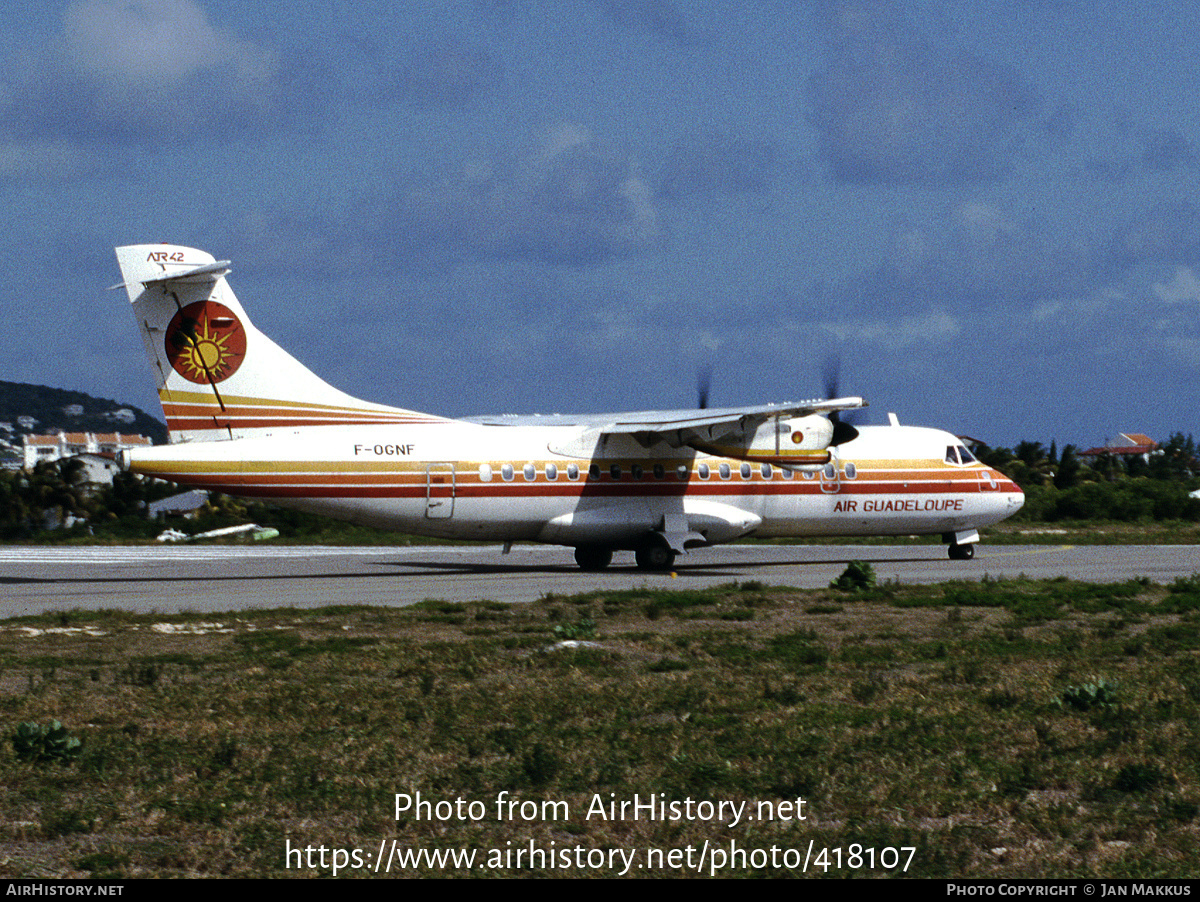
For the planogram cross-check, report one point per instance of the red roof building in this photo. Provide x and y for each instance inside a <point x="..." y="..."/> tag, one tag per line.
<point x="40" y="448"/>
<point x="1124" y="445"/>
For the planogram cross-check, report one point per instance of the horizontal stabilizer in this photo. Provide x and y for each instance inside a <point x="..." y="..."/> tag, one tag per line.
<point x="209" y="272"/>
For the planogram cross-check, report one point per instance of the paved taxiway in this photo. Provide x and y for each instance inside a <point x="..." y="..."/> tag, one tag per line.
<point x="172" y="579"/>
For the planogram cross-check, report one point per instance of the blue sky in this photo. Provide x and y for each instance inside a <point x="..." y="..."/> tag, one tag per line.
<point x="987" y="213"/>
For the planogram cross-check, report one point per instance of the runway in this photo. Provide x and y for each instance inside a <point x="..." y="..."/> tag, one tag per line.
<point x="229" y="578"/>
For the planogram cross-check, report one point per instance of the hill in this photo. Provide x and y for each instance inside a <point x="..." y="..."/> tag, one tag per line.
<point x="52" y="408"/>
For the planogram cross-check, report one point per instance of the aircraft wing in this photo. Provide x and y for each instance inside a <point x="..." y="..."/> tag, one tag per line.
<point x="681" y="427"/>
<point x="717" y="421"/>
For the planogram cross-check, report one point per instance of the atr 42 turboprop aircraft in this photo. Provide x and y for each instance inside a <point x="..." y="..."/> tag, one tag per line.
<point x="247" y="419"/>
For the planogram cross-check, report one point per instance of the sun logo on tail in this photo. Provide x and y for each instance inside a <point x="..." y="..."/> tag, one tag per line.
<point x="205" y="342"/>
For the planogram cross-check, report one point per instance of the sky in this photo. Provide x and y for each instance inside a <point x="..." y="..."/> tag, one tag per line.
<point x="983" y="217"/>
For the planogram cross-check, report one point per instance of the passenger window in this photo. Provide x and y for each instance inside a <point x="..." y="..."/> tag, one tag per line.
<point x="851" y="471"/>
<point x="506" y="472"/>
<point x="572" y="472"/>
<point x="703" y="471"/>
<point x="766" y="471"/>
<point x="615" y="471"/>
<point x="659" y="472"/>
<point x="551" y="472"/>
<point x="530" y="472"/>
<point x="681" y="471"/>
<point x="594" y="471"/>
<point x="830" y="471"/>
<point x="724" y="471"/>
<point x="485" y="473"/>
<point x="636" y="471"/>
<point x="788" y="474"/>
<point x="745" y="471"/>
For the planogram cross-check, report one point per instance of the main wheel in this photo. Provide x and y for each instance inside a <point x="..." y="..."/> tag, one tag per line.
<point x="654" y="556"/>
<point x="593" y="557"/>
<point x="962" y="552"/>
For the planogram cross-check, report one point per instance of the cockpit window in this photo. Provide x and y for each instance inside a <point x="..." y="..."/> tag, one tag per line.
<point x="958" y="454"/>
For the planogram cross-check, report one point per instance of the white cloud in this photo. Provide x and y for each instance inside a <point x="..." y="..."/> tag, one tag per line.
<point x="984" y="221"/>
<point x="141" y="70"/>
<point x="564" y="137"/>
<point x="140" y="43"/>
<point x="901" y="332"/>
<point x="892" y="107"/>
<point x="1184" y="287"/>
<point x="570" y="201"/>
<point x="41" y="158"/>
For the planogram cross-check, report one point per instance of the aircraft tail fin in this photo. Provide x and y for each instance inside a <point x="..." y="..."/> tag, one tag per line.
<point x="218" y="376"/>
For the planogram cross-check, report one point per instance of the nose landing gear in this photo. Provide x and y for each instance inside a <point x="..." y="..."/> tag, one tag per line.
<point x="962" y="544"/>
<point x="962" y="552"/>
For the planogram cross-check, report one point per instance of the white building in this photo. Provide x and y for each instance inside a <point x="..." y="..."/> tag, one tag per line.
<point x="41" y="448"/>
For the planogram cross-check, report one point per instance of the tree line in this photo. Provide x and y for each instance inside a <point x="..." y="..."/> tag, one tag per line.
<point x="1129" y="487"/>
<point x="55" y="497"/>
<point x="54" y="502"/>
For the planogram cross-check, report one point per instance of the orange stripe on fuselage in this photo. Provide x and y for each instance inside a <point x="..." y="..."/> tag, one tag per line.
<point x="360" y="479"/>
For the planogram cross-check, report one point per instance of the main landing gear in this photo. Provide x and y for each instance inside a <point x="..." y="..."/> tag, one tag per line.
<point x="653" y="554"/>
<point x="593" y="557"/>
<point x="962" y="552"/>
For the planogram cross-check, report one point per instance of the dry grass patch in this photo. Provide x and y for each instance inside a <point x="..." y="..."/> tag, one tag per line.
<point x="955" y="719"/>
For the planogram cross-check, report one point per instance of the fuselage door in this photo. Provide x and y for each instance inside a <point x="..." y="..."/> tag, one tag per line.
<point x="439" y="491"/>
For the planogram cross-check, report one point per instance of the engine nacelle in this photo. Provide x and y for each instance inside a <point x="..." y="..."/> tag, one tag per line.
<point x="795" y="441"/>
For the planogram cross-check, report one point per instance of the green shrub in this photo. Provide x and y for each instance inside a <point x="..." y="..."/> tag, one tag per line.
<point x="1140" y="778"/>
<point x="39" y="744"/>
<point x="584" y="628"/>
<point x="857" y="577"/>
<point x="1089" y="696"/>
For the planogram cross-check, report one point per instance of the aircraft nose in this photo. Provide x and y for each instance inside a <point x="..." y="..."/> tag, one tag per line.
<point x="1013" y="494"/>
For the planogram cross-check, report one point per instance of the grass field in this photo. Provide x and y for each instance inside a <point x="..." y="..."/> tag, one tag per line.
<point x="1003" y="728"/>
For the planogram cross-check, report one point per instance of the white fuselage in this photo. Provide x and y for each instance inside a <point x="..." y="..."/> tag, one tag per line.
<point x="556" y="484"/>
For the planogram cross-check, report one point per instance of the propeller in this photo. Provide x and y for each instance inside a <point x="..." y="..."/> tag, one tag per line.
<point x="703" y="384"/>
<point x="843" y="431"/>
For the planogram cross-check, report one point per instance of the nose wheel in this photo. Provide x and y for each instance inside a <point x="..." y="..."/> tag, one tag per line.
<point x="962" y="552"/>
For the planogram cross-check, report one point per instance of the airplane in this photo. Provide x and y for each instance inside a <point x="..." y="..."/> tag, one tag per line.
<point x="248" y="419"/>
